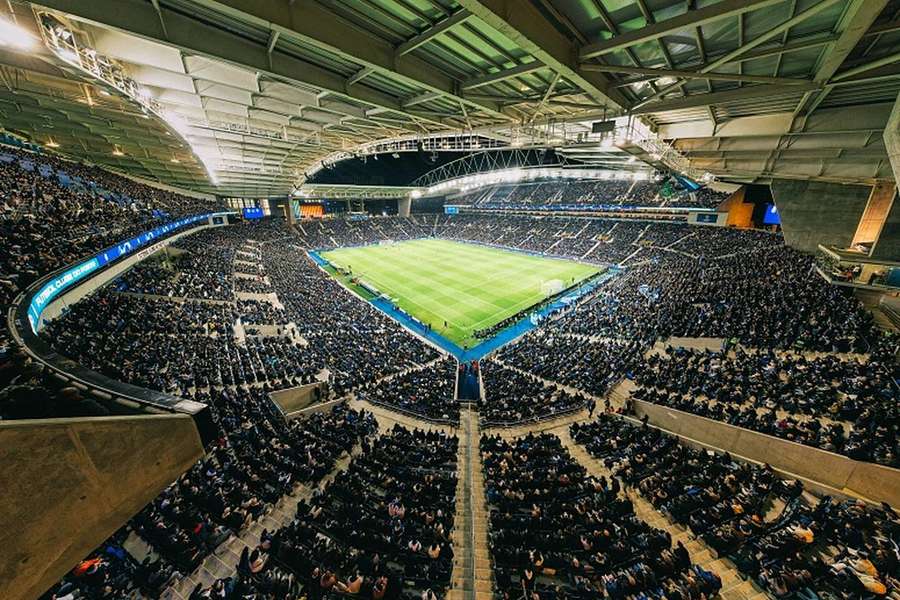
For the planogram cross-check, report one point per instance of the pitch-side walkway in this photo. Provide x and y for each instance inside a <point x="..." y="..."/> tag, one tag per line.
<point x="734" y="587"/>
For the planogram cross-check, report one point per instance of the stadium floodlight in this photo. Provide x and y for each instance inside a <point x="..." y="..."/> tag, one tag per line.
<point x="13" y="36"/>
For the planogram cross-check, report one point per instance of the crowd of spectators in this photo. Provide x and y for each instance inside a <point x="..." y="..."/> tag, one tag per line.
<point x="427" y="392"/>
<point x="820" y="385"/>
<point x="795" y="545"/>
<point x="253" y="463"/>
<point x="574" y="194"/>
<point x="558" y="532"/>
<point x="511" y="397"/>
<point x="380" y="530"/>
<point x="53" y="213"/>
<point x="177" y="348"/>
<point x="591" y="365"/>
<point x="766" y="299"/>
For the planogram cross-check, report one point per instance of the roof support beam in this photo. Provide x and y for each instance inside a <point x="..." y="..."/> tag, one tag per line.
<point x="858" y="17"/>
<point x="690" y="74"/>
<point x="544" y="99"/>
<point x="195" y="37"/>
<point x="694" y="18"/>
<point x="432" y="32"/>
<point x="784" y="26"/>
<point x="359" y="76"/>
<point x="503" y="75"/>
<point x="312" y="24"/>
<point x="760" y="91"/>
<point x="426" y="97"/>
<point x="875" y="64"/>
<point x="527" y="27"/>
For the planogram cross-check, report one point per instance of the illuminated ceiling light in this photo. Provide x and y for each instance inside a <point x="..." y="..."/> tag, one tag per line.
<point x="118" y="152"/>
<point x="13" y="36"/>
<point x="105" y="93"/>
<point x="51" y="144"/>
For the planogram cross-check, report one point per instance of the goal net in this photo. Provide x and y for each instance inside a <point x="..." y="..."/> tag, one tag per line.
<point x="551" y="287"/>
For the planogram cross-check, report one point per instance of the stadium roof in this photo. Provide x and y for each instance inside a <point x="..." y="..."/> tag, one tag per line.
<point x="259" y="92"/>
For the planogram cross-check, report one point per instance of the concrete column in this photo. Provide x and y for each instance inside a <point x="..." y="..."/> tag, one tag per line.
<point x="876" y="213"/>
<point x="887" y="246"/>
<point x="814" y="212"/>
<point x="289" y="209"/>
<point x="403" y="206"/>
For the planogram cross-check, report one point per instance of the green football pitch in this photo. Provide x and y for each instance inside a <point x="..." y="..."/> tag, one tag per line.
<point x="468" y="286"/>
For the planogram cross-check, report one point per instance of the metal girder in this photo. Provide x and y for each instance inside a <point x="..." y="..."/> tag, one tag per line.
<point x="760" y="91"/>
<point x="195" y="37"/>
<point x="359" y="76"/>
<point x="432" y="32"/>
<point x="503" y="75"/>
<point x="693" y="18"/>
<point x="316" y="26"/>
<point x="426" y="97"/>
<point x="546" y="96"/>
<point x="857" y="20"/>
<point x="859" y="16"/>
<point x="691" y="74"/>
<point x="758" y="41"/>
<point x="481" y="162"/>
<point x="526" y="26"/>
<point x="875" y="64"/>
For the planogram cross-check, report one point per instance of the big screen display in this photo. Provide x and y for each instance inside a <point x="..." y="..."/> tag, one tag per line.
<point x="772" y="217"/>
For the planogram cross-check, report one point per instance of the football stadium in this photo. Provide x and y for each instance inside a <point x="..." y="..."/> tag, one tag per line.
<point x="449" y="300"/>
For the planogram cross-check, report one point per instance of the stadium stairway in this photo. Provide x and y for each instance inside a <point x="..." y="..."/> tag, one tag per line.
<point x="223" y="561"/>
<point x="734" y="586"/>
<point x="471" y="578"/>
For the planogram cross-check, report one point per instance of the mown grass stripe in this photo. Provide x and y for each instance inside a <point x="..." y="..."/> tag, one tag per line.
<point x="469" y="286"/>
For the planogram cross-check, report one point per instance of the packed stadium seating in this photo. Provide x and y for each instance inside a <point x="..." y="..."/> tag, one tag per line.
<point x="558" y="530"/>
<point x="590" y="192"/>
<point x="54" y="212"/>
<point x="792" y="543"/>
<point x="229" y="314"/>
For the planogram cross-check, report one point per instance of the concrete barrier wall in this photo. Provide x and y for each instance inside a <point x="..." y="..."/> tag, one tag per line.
<point x="68" y="484"/>
<point x="814" y="212"/>
<point x="867" y="480"/>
